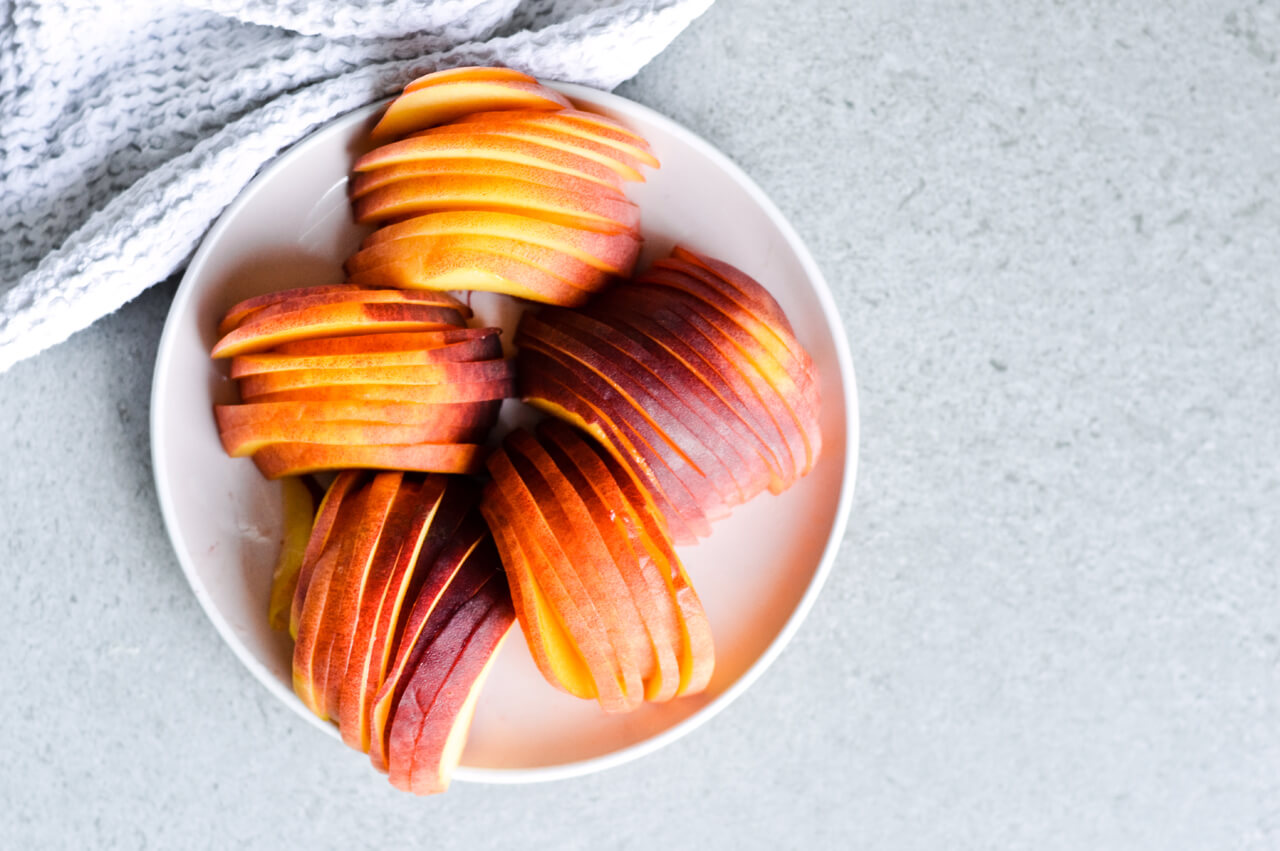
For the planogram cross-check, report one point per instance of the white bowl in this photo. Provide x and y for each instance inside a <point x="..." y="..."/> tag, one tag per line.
<point x="757" y="575"/>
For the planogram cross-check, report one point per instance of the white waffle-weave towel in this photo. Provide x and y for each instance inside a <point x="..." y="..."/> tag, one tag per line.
<point x="127" y="127"/>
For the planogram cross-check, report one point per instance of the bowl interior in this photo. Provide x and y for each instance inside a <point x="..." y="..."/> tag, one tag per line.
<point x="756" y="575"/>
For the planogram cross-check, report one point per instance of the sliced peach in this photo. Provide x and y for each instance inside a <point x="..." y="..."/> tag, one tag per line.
<point x="298" y="516"/>
<point x="249" y="439"/>
<point x="432" y="718"/>
<point x="697" y="660"/>
<point x="238" y="311"/>
<point x="676" y="387"/>
<point x="567" y="515"/>
<point x="454" y="578"/>
<point x="468" y="73"/>
<point x="613" y="517"/>
<point x="429" y="105"/>
<point x="366" y="182"/>
<point x="539" y="387"/>
<point x="623" y="163"/>
<point x="573" y="271"/>
<point x="550" y="645"/>
<point x="625" y="432"/>
<point x="613" y="253"/>
<point x="432" y="373"/>
<point x="345" y="585"/>
<point x="683" y="434"/>
<point x="396" y="342"/>
<point x="460" y="415"/>
<point x="351" y="294"/>
<point x="343" y="485"/>
<point x="430" y="394"/>
<point x="411" y="157"/>
<point x="481" y="348"/>
<point x="293" y="459"/>
<point x="330" y="320"/>
<point x="477" y="270"/>
<point x="588" y="125"/>
<point x="602" y="211"/>
<point x="613" y="667"/>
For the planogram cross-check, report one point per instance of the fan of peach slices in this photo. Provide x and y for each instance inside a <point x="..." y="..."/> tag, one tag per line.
<point x="413" y="544"/>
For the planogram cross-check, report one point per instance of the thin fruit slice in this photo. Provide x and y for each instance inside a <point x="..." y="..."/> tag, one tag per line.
<point x="331" y="320"/>
<point x="343" y="485"/>
<point x="621" y="162"/>
<point x="395" y="342"/>
<point x="298" y="514"/>
<point x="432" y="394"/>
<point x="480" y="348"/>
<point x="433" y="716"/>
<point x="587" y="125"/>
<point x="469" y="372"/>
<point x="468" y="73"/>
<point x="240" y="310"/>
<point x="461" y="415"/>
<point x="293" y="459"/>
<point x="246" y="440"/>
<point x="409" y="157"/>
<point x="429" y="105"/>
<point x="477" y="270"/>
<point x="605" y="503"/>
<point x="613" y="253"/>
<point x="351" y="294"/>
<point x="369" y="181"/>
<point x="602" y="211"/>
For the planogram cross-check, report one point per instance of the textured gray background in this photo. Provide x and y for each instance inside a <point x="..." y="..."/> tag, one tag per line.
<point x="1054" y="235"/>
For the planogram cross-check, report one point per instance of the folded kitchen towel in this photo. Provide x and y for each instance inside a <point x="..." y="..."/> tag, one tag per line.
<point x="127" y="127"/>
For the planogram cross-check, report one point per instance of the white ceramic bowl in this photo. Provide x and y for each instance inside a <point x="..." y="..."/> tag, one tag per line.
<point x="757" y="575"/>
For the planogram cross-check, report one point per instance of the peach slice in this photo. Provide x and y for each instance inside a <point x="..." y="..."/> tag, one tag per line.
<point x="613" y="667"/>
<point x="460" y="415"/>
<point x="570" y="269"/>
<point x="639" y="306"/>
<point x="550" y="645"/>
<point x="350" y="294"/>
<point x="246" y="440"/>
<point x="299" y="514"/>
<point x="602" y="211"/>
<point x="359" y="546"/>
<point x="607" y="154"/>
<point x="429" y="105"/>
<point x="293" y="459"/>
<point x="410" y="157"/>
<point x="683" y="341"/>
<point x="614" y="253"/>
<point x="461" y="570"/>
<point x="365" y="574"/>
<point x="680" y="434"/>
<point x="383" y="612"/>
<point x="432" y="394"/>
<point x="396" y="342"/>
<point x="539" y="387"/>
<point x="566" y="515"/>
<point x="606" y="504"/>
<point x="238" y="311"/>
<point x="468" y="73"/>
<point x="366" y="182"/>
<point x="343" y="485"/>
<point x="623" y="431"/>
<point x="678" y="388"/>
<point x="331" y="320"/>
<point x="477" y="270"/>
<point x="478" y="349"/>
<point x="432" y="373"/>
<point x="433" y="716"/>
<point x="588" y="125"/>
<point x="697" y="658"/>
<point x="792" y="386"/>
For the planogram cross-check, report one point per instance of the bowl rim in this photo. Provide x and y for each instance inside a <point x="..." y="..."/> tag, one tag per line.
<point x="847" y="377"/>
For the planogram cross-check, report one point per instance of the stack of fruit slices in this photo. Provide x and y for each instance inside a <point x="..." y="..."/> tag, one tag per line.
<point x="690" y="380"/>
<point x="399" y="609"/>
<point x="344" y="376"/>
<point x="519" y="193"/>
<point x="605" y="604"/>
<point x="690" y="376"/>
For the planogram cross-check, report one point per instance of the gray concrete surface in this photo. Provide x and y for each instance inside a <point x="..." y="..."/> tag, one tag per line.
<point x="1054" y="234"/>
